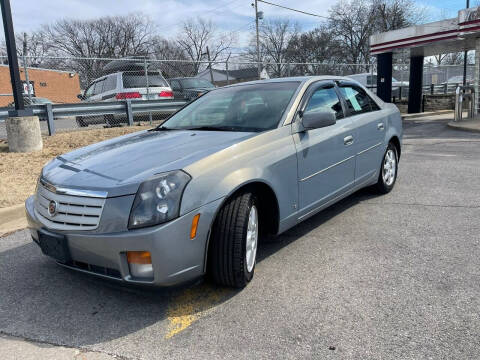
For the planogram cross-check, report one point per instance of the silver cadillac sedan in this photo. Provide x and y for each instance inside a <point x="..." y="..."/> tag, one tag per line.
<point x="195" y="195"/>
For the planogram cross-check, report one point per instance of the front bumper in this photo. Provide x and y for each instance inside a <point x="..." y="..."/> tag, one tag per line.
<point x="175" y="257"/>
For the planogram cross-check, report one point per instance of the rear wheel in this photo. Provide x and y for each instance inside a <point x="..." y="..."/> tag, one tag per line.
<point x="388" y="170"/>
<point x="234" y="241"/>
<point x="109" y="120"/>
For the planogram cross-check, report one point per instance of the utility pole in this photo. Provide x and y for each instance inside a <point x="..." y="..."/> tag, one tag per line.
<point x="23" y="129"/>
<point x="258" y="40"/>
<point x="210" y="65"/>
<point x="17" y="87"/>
<point x="226" y="69"/>
<point x="465" y="54"/>
<point x="25" y="67"/>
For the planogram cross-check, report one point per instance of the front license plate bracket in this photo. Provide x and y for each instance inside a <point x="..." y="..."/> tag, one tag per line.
<point x="55" y="246"/>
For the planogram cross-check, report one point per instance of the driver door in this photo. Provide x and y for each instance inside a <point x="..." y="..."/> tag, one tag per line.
<point x="326" y="156"/>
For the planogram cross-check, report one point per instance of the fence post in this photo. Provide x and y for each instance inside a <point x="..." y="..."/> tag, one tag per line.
<point x="50" y="122"/>
<point x="432" y="89"/>
<point x="27" y="78"/>
<point x="445" y="88"/>
<point x="145" y="66"/>
<point x="400" y="93"/>
<point x="128" y="109"/>
<point x="288" y="70"/>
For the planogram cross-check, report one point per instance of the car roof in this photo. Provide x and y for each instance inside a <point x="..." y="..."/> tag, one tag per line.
<point x="301" y="79"/>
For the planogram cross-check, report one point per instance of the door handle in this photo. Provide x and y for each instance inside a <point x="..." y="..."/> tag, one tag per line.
<point x="380" y="126"/>
<point x="348" y="140"/>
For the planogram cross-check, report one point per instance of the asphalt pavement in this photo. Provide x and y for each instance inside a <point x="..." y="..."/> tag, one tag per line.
<point x="377" y="277"/>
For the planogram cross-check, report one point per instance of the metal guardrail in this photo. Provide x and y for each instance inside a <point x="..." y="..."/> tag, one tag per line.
<point x="128" y="107"/>
<point x="400" y="93"/>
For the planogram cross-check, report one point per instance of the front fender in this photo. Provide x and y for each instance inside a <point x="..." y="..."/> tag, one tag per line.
<point x="269" y="158"/>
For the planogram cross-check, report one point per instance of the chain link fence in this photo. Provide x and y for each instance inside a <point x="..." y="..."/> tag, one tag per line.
<point x="101" y="80"/>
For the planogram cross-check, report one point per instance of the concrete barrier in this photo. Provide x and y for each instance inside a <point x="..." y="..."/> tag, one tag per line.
<point x="23" y="134"/>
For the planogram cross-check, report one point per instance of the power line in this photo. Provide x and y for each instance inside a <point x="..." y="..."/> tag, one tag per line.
<point x="222" y="6"/>
<point x="299" y="11"/>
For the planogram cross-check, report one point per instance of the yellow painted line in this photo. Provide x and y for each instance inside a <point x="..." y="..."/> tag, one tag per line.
<point x="191" y="305"/>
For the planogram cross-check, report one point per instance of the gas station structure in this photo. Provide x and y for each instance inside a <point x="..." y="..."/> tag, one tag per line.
<point x="441" y="37"/>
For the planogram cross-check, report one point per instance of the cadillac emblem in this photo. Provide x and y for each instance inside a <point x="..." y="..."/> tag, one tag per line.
<point x="52" y="208"/>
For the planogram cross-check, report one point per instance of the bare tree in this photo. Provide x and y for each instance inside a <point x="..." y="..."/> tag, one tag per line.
<point x="198" y="34"/>
<point x="84" y="40"/>
<point x="174" y="60"/>
<point x="111" y="36"/>
<point x="352" y="24"/>
<point x="275" y="37"/>
<point x="317" y="47"/>
<point x="396" y="14"/>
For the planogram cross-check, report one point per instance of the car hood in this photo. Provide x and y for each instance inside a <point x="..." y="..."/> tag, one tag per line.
<point x="119" y="165"/>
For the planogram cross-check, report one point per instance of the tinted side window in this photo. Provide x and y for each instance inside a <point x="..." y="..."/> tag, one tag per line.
<point x="89" y="91"/>
<point x="137" y="79"/>
<point x="175" y="84"/>
<point x="98" y="87"/>
<point x="357" y="100"/>
<point x="323" y="100"/>
<point x="110" y="83"/>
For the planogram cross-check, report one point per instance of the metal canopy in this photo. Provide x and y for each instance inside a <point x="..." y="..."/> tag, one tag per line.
<point x="440" y="37"/>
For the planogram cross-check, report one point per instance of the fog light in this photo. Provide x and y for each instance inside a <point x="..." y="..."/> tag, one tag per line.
<point x="140" y="264"/>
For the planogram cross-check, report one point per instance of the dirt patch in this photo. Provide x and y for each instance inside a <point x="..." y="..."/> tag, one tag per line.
<point x="19" y="172"/>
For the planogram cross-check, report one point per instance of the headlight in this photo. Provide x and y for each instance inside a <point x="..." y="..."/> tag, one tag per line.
<point x="158" y="199"/>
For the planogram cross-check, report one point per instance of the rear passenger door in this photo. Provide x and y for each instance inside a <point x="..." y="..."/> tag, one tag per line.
<point x="369" y="124"/>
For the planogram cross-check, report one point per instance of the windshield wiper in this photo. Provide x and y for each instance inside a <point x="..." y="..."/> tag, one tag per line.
<point x="161" y="128"/>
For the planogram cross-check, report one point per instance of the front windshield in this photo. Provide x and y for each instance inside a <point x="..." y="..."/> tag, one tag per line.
<point x="196" y="83"/>
<point x="255" y="107"/>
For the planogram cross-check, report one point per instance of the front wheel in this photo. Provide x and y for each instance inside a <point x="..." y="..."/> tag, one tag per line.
<point x="234" y="241"/>
<point x="388" y="170"/>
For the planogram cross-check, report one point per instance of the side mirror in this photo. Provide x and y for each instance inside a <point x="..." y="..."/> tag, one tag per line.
<point x="80" y="96"/>
<point x="316" y="120"/>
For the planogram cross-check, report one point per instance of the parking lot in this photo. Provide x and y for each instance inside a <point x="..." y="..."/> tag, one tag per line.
<point x="390" y="277"/>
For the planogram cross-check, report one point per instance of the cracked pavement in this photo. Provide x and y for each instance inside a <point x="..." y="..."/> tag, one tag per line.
<point x="378" y="277"/>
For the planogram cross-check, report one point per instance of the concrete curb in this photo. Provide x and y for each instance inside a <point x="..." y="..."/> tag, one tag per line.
<point x="424" y="114"/>
<point x="12" y="219"/>
<point x="471" y="126"/>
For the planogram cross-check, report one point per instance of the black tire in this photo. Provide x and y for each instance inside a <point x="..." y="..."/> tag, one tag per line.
<point x="109" y="120"/>
<point x="384" y="186"/>
<point x="80" y="121"/>
<point x="227" y="262"/>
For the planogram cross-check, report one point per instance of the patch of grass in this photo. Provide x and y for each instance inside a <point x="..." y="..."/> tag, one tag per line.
<point x="19" y="172"/>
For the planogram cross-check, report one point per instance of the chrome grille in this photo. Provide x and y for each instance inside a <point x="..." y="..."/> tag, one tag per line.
<point x="72" y="212"/>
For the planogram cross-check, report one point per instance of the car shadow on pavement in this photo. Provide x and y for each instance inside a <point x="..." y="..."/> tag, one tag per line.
<point x="291" y="235"/>
<point x="43" y="302"/>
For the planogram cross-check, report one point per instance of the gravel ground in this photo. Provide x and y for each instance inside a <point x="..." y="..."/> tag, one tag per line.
<point x="377" y="277"/>
<point x="23" y="169"/>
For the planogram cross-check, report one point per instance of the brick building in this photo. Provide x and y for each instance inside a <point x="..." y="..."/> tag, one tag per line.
<point x="55" y="85"/>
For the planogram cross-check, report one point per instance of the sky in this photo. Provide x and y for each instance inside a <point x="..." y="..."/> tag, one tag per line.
<point x="229" y="15"/>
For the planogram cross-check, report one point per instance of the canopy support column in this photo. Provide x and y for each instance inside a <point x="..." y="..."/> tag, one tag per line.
<point x="384" y="76"/>
<point x="415" y="85"/>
